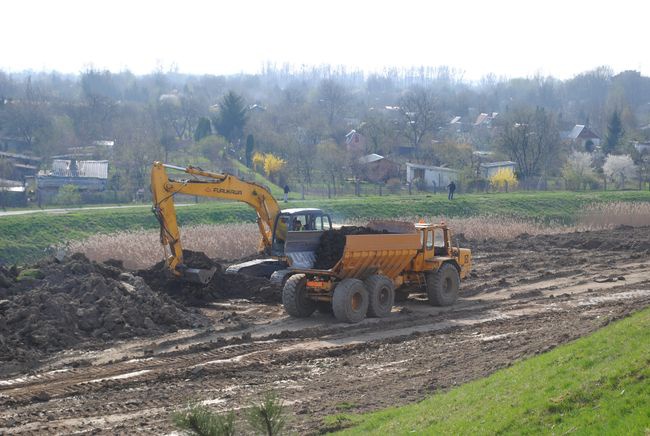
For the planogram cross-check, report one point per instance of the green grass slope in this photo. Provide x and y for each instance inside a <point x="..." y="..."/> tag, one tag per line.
<point x="276" y="190"/>
<point x="24" y="237"/>
<point x="599" y="384"/>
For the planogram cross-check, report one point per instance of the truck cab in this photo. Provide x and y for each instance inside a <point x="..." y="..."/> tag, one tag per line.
<point x="436" y="249"/>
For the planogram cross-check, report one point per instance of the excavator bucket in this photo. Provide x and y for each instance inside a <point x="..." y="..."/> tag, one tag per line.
<point x="200" y="276"/>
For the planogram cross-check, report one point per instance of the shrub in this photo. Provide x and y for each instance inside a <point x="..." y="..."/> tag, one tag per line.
<point x="68" y="195"/>
<point x="268" y="417"/>
<point x="420" y="184"/>
<point x="504" y="178"/>
<point x="200" y="420"/>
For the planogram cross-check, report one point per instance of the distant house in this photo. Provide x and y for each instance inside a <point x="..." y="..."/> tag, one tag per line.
<point x="457" y="126"/>
<point x="642" y="147"/>
<point x="355" y="141"/>
<point x="20" y="165"/>
<point x="485" y="120"/>
<point x="256" y="108"/>
<point x="377" y="168"/>
<point x="583" y="138"/>
<point x="432" y="177"/>
<point x="86" y="175"/>
<point x="490" y="169"/>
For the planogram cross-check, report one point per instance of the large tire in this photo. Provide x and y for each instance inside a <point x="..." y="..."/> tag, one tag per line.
<point x="295" y="299"/>
<point x="350" y="301"/>
<point x="443" y="285"/>
<point x="381" y="295"/>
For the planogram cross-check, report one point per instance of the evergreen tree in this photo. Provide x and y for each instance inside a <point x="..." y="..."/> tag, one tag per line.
<point x="232" y="116"/>
<point x="250" y="146"/>
<point x="614" y="133"/>
<point x="203" y="129"/>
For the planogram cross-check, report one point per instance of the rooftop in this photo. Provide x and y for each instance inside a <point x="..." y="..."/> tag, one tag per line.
<point x="373" y="157"/>
<point x="505" y="163"/>
<point x="431" y="167"/>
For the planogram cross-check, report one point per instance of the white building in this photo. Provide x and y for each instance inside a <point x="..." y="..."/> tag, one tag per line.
<point x="433" y="177"/>
<point x="490" y="169"/>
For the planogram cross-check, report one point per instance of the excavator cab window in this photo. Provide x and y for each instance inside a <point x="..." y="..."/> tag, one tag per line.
<point x="299" y="221"/>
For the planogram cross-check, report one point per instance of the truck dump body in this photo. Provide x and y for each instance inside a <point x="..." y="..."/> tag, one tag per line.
<point x="388" y="254"/>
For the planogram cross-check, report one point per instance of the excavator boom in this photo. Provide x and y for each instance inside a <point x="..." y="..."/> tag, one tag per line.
<point x="215" y="185"/>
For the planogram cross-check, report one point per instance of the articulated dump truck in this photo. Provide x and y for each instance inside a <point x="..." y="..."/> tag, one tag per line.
<point x="373" y="272"/>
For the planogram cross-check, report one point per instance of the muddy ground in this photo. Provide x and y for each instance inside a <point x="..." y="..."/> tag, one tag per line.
<point x="524" y="297"/>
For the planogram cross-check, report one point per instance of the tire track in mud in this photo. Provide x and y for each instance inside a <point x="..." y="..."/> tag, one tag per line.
<point x="255" y="355"/>
<point x="316" y="364"/>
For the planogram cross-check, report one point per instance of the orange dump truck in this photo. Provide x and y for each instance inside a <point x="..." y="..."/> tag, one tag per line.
<point x="377" y="269"/>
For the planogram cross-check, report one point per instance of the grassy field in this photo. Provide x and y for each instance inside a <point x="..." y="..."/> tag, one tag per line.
<point x="23" y="238"/>
<point x="595" y="385"/>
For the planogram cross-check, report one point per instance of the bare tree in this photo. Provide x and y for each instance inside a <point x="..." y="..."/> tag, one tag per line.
<point x="529" y="137"/>
<point x="332" y="97"/>
<point x="331" y="161"/>
<point x="379" y="131"/>
<point x="419" y="115"/>
<point x="26" y="118"/>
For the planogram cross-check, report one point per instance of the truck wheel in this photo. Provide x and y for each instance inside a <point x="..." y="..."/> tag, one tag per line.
<point x="350" y="301"/>
<point x="442" y="285"/>
<point x="381" y="295"/>
<point x="295" y="299"/>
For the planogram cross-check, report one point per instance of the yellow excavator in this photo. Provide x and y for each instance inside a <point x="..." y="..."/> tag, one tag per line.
<point x="288" y="236"/>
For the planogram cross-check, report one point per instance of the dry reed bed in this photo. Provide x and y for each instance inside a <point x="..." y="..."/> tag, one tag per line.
<point x="141" y="249"/>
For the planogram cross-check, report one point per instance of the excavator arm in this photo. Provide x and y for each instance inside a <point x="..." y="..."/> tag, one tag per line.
<point x="215" y="185"/>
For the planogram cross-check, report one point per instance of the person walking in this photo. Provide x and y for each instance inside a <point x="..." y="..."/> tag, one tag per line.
<point x="286" y="192"/>
<point x="452" y="189"/>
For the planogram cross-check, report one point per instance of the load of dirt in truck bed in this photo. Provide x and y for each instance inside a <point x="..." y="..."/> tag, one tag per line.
<point x="55" y="304"/>
<point x="221" y="286"/>
<point x="332" y="243"/>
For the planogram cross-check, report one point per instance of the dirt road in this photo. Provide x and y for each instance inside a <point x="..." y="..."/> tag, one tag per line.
<point x="525" y="297"/>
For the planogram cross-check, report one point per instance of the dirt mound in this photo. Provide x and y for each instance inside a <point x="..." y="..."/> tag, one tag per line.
<point x="332" y="243"/>
<point x="623" y="238"/>
<point x="197" y="259"/>
<point x="7" y="277"/>
<point x="54" y="305"/>
<point x="221" y="286"/>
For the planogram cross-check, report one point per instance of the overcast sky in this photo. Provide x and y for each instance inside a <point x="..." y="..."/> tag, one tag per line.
<point x="508" y="38"/>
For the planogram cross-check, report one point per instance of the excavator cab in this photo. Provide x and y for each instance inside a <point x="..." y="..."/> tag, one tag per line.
<point x="297" y="228"/>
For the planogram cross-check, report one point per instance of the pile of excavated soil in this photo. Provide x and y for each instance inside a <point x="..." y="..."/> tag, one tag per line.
<point x="54" y="305"/>
<point x="332" y="243"/>
<point x="221" y="286"/>
<point x="622" y="238"/>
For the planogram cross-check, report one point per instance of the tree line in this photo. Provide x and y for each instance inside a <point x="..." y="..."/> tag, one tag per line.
<point x="302" y="117"/>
